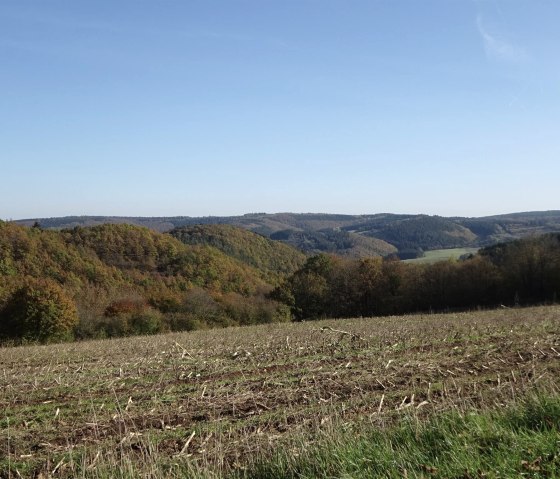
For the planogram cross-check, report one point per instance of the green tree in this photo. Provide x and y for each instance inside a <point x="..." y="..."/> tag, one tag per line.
<point x="369" y="276"/>
<point x="310" y="288"/>
<point x="39" y="310"/>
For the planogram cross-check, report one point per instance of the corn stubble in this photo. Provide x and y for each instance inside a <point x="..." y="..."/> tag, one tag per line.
<point x="212" y="403"/>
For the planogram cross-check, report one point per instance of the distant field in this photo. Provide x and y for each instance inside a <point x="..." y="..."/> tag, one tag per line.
<point x="442" y="255"/>
<point x="211" y="403"/>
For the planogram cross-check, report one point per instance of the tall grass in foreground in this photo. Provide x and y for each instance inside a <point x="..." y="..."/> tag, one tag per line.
<point x="521" y="441"/>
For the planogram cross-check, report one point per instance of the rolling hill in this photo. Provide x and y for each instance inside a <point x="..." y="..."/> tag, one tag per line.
<point x="346" y="234"/>
<point x="335" y="241"/>
<point x="423" y="232"/>
<point x="268" y="256"/>
<point x="125" y="279"/>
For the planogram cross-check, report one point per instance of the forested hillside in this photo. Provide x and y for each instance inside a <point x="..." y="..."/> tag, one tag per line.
<point x="272" y="258"/>
<point x="352" y="235"/>
<point x="422" y="232"/>
<point x="121" y="279"/>
<point x="337" y="242"/>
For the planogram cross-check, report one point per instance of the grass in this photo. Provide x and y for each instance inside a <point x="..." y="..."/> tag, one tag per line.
<point x="522" y="441"/>
<point x="436" y="255"/>
<point x="218" y="403"/>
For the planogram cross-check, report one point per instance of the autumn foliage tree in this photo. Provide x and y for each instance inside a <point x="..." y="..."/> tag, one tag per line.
<point x="39" y="310"/>
<point x="131" y="316"/>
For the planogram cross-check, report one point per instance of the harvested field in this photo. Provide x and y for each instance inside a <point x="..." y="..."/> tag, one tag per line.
<point x="213" y="401"/>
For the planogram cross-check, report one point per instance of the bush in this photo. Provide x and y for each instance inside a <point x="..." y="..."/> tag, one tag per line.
<point x="254" y="310"/>
<point x="146" y="322"/>
<point x="38" y="311"/>
<point x="131" y="316"/>
<point x="184" y="322"/>
<point x="125" y="306"/>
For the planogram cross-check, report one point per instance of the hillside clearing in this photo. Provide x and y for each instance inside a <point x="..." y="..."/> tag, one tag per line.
<point x="215" y="401"/>
<point x="436" y="255"/>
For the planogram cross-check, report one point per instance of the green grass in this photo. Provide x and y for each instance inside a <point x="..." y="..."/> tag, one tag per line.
<point x="436" y="255"/>
<point x="521" y="441"/>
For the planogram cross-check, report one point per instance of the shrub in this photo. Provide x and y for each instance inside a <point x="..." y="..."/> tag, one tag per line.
<point x="131" y="316"/>
<point x="146" y="322"/>
<point x="125" y="306"/>
<point x="184" y="322"/>
<point x="39" y="310"/>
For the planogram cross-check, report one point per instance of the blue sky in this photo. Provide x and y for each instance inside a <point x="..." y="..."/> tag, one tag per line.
<point x="206" y="107"/>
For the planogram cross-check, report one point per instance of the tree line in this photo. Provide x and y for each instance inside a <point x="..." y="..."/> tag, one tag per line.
<point x="522" y="272"/>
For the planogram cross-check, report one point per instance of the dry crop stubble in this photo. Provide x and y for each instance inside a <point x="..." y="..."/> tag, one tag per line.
<point x="215" y="400"/>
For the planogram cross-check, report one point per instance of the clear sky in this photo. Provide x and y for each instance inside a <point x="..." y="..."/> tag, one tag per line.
<point x="207" y="107"/>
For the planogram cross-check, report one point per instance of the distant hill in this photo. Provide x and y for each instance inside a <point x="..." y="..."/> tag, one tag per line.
<point x="160" y="224"/>
<point x="425" y="232"/>
<point x="350" y="235"/>
<point x="337" y="242"/>
<point x="494" y="229"/>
